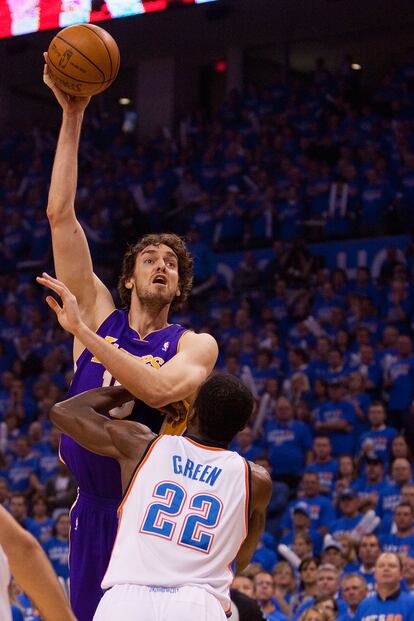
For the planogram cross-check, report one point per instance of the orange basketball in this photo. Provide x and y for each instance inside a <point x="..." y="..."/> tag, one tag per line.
<point x="83" y="60"/>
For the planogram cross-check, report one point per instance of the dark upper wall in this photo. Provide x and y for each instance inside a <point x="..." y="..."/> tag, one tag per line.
<point x="377" y="31"/>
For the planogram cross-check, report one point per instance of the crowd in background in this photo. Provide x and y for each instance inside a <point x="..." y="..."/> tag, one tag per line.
<point x="329" y="359"/>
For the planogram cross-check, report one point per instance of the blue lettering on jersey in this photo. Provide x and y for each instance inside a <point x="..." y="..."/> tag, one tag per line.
<point x="197" y="472"/>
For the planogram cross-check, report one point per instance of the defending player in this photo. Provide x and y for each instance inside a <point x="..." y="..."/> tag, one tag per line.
<point x="167" y="363"/>
<point x="190" y="505"/>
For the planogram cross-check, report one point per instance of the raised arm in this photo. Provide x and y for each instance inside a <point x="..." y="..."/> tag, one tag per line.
<point x="71" y="254"/>
<point x="81" y="418"/>
<point x="176" y="380"/>
<point x="261" y="493"/>
<point x="32" y="570"/>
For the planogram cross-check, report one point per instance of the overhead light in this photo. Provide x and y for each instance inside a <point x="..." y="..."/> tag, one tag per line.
<point x="356" y="66"/>
<point x="124" y="101"/>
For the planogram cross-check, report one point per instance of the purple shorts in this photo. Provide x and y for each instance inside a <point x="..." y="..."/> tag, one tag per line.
<point x="94" y="524"/>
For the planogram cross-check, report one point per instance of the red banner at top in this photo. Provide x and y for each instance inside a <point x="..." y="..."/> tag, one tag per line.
<point x="23" y="16"/>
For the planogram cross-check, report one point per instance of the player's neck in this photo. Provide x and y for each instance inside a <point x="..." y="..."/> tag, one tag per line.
<point x="144" y="318"/>
<point x="202" y="438"/>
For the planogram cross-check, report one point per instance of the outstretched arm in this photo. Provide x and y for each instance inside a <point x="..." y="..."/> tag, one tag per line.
<point x="81" y="418"/>
<point x="176" y="380"/>
<point x="32" y="570"/>
<point x="261" y="493"/>
<point x="73" y="263"/>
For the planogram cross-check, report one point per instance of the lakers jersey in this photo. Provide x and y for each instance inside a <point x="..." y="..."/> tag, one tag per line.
<point x="99" y="475"/>
<point x="183" y="518"/>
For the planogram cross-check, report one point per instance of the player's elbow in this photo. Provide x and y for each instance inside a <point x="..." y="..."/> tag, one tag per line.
<point x="58" y="413"/>
<point x="159" y="400"/>
<point x="163" y="393"/>
<point x="23" y="546"/>
<point x="59" y="213"/>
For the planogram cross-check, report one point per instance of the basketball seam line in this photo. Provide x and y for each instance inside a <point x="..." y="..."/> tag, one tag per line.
<point x="78" y="79"/>
<point x="102" y="41"/>
<point x="84" y="56"/>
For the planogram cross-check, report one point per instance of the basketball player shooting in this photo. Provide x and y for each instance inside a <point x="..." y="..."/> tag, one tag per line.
<point x="190" y="506"/>
<point x="159" y="363"/>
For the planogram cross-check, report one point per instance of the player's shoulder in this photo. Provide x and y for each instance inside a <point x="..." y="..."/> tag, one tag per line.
<point x="261" y="483"/>
<point x="198" y="340"/>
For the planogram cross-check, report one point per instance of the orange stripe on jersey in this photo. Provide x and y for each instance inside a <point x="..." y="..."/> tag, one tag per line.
<point x="247" y="484"/>
<point x="128" y="490"/>
<point x="208" y="448"/>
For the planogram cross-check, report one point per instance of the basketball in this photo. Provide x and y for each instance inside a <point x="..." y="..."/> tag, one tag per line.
<point x="83" y="60"/>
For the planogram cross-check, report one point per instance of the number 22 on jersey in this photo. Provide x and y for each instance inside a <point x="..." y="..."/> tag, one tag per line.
<point x="201" y="516"/>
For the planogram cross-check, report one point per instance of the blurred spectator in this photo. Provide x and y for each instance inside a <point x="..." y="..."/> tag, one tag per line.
<point x="354" y="590"/>
<point x="390" y="497"/>
<point x="307" y="587"/>
<point x="337" y="418"/>
<point x="22" y="471"/>
<point x="332" y="554"/>
<point x="321" y="509"/>
<point x="323" y="463"/>
<point x="288" y="443"/>
<point x="40" y="524"/>
<point x="379" y="438"/>
<point x="368" y="552"/>
<point x="57" y="549"/>
<point x="61" y="490"/>
<point x="402" y="540"/>
<point x="372" y="483"/>
<point x="408" y="574"/>
<point x="264" y="594"/>
<point x="388" y="597"/>
<point x="327" y="584"/>
<point x="400" y="381"/>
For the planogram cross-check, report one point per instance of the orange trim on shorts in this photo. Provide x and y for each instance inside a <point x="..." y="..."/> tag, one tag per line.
<point x="208" y="448"/>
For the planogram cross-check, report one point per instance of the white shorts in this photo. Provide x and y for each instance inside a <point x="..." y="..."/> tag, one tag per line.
<point x="131" y="602"/>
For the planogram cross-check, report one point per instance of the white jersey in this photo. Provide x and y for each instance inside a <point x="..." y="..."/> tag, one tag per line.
<point x="5" y="610"/>
<point x="182" y="519"/>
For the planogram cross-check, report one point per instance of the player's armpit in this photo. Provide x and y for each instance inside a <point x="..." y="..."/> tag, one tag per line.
<point x="261" y="490"/>
<point x="81" y="418"/>
<point x="129" y="437"/>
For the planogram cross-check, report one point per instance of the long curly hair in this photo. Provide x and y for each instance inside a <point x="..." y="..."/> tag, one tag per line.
<point x="185" y="265"/>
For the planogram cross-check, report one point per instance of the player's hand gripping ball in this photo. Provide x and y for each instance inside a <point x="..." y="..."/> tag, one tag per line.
<point x="83" y="60"/>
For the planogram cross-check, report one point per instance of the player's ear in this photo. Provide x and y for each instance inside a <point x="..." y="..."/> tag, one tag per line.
<point x="129" y="284"/>
<point x="178" y="293"/>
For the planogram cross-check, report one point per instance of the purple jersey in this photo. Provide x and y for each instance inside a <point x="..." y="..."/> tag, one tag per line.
<point x="95" y="474"/>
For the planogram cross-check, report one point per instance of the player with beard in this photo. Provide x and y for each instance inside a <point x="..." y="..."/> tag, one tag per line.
<point x="157" y="362"/>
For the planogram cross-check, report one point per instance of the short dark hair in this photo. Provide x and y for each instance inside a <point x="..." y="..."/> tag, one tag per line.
<point x="404" y="505"/>
<point x="185" y="265"/>
<point x="308" y="561"/>
<point x="223" y="406"/>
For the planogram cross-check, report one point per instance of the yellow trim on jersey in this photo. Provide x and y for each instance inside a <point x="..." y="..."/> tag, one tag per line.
<point x="70" y="527"/>
<point x="149" y="333"/>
